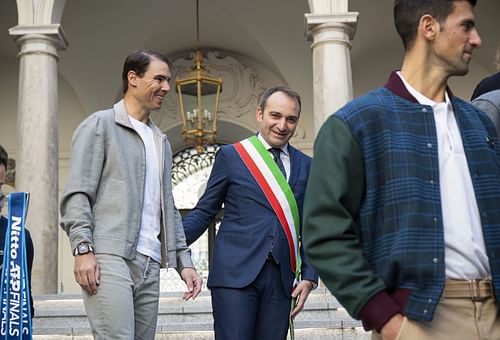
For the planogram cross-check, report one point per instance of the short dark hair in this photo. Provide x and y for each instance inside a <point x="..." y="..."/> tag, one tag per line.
<point x="407" y="14"/>
<point x="264" y="96"/>
<point x="138" y="61"/>
<point x="4" y="157"/>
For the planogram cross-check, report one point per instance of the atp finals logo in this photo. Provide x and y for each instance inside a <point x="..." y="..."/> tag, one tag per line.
<point x="16" y="309"/>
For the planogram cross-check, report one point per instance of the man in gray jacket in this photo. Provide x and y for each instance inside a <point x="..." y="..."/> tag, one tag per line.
<point x="118" y="210"/>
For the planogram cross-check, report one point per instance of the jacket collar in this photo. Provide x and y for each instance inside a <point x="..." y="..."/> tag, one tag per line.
<point x="121" y="114"/>
<point x="396" y="85"/>
<point x="284" y="148"/>
<point x="121" y="118"/>
<point x="294" y="161"/>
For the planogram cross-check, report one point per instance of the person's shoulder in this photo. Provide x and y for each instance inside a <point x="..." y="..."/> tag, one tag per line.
<point x="28" y="233"/>
<point x="96" y="121"/>
<point x="472" y="110"/>
<point x="488" y="84"/>
<point x="380" y="97"/>
<point x="298" y="152"/>
<point x="463" y="105"/>
<point x="492" y="96"/>
<point x="226" y="151"/>
<point x="105" y="114"/>
<point x="226" y="148"/>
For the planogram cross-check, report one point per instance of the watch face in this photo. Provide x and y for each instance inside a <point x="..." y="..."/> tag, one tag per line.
<point x="83" y="248"/>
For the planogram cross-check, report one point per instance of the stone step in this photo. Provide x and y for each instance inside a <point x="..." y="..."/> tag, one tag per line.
<point x="300" y="334"/>
<point x="64" y="317"/>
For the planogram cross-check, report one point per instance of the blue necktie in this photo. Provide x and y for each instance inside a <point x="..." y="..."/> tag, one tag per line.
<point x="276" y="155"/>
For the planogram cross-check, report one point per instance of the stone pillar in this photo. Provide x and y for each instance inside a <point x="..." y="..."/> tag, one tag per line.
<point x="37" y="143"/>
<point x="331" y="34"/>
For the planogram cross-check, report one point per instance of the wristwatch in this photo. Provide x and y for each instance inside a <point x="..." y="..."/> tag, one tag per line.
<point x="83" y="248"/>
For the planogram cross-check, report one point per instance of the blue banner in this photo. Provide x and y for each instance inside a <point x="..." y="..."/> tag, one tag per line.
<point x="16" y="309"/>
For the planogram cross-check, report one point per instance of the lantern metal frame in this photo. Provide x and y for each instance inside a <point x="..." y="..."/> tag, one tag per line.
<point x="199" y="126"/>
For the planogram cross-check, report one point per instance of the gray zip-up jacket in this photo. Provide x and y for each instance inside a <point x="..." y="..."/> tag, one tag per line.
<point x="103" y="198"/>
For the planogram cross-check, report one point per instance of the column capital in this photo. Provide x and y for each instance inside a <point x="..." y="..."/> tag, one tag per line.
<point x="348" y="21"/>
<point x="54" y="33"/>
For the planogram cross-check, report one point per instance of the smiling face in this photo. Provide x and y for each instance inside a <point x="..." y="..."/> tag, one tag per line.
<point x="152" y="87"/>
<point x="278" y="120"/>
<point x="456" y="39"/>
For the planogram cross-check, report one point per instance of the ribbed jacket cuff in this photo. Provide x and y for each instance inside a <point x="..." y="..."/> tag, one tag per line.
<point x="378" y="311"/>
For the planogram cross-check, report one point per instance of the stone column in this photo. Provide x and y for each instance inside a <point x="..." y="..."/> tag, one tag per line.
<point x="331" y="34"/>
<point x="37" y="143"/>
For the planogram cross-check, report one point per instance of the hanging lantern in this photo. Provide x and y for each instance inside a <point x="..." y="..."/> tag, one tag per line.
<point x="199" y="95"/>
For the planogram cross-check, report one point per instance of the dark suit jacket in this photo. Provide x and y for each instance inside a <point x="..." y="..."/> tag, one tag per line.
<point x="249" y="229"/>
<point x="488" y="84"/>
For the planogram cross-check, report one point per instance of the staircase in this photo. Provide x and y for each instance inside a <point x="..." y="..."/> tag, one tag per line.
<point x="62" y="317"/>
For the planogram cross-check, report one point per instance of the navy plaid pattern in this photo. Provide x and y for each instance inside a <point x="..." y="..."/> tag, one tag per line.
<point x="400" y="219"/>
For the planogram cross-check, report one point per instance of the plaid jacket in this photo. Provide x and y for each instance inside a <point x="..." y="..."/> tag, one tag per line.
<point x="373" y="227"/>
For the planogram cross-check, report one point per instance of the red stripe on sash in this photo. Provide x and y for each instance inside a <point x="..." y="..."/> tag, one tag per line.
<point x="273" y="201"/>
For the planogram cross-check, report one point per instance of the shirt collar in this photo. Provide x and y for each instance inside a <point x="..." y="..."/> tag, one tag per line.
<point x="283" y="149"/>
<point x="395" y="85"/>
<point x="419" y="96"/>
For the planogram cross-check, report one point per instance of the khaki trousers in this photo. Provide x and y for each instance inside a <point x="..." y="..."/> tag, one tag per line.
<point x="454" y="319"/>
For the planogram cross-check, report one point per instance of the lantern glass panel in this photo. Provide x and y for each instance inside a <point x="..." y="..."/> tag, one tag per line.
<point x="190" y="110"/>
<point x="208" y="110"/>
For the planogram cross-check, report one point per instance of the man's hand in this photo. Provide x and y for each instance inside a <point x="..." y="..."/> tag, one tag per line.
<point x="301" y="292"/>
<point x="193" y="283"/>
<point x="87" y="272"/>
<point x="391" y="329"/>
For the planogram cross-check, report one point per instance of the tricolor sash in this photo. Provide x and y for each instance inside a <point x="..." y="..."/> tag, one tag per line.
<point x="277" y="191"/>
<point x="16" y="310"/>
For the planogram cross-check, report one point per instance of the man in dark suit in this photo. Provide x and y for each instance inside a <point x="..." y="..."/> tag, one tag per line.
<point x="257" y="257"/>
<point x="489" y="83"/>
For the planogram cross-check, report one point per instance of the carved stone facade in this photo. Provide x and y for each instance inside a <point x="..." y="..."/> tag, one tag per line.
<point x="243" y="81"/>
<point x="241" y="87"/>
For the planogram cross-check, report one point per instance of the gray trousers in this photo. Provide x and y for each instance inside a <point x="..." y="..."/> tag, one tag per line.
<point x="126" y="304"/>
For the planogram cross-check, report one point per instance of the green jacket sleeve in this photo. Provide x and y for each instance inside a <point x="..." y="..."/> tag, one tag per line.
<point x="332" y="203"/>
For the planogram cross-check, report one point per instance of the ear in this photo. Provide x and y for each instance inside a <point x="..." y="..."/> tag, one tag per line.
<point x="428" y="27"/>
<point x="132" y="78"/>
<point x="259" y="114"/>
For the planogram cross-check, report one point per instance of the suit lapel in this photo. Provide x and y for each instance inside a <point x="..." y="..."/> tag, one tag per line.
<point x="294" y="166"/>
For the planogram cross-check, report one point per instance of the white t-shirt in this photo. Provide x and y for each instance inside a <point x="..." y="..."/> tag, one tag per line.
<point x="148" y="243"/>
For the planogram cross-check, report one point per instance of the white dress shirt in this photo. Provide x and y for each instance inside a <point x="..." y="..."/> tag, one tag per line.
<point x="284" y="155"/>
